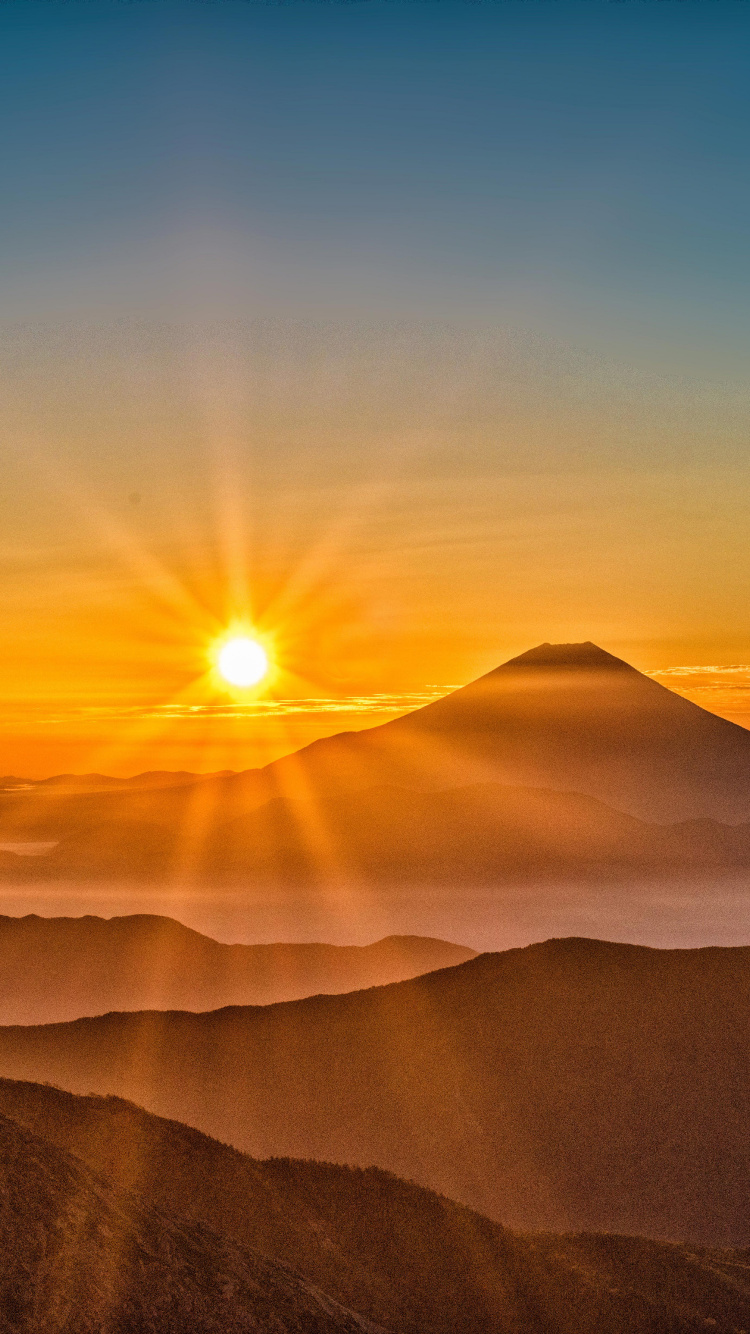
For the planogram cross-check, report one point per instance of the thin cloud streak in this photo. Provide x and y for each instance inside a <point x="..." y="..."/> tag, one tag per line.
<point x="350" y="704"/>
<point x="720" y="688"/>
<point x="739" y="669"/>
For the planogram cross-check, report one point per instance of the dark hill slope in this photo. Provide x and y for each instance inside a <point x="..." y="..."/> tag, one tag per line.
<point x="80" y="1256"/>
<point x="408" y="1259"/>
<point x="417" y="1263"/>
<point x="54" y="969"/>
<point x="576" y="1084"/>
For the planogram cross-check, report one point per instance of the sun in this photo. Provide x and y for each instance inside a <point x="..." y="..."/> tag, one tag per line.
<point x="242" y="661"/>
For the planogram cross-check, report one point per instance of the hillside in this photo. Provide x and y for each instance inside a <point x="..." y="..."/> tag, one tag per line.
<point x="360" y="1236"/>
<point x="412" y="1261"/>
<point x="571" y="1085"/>
<point x="54" y="969"/>
<point x="77" y="1253"/>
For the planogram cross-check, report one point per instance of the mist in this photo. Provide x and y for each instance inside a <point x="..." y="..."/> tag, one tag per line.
<point x="662" y="914"/>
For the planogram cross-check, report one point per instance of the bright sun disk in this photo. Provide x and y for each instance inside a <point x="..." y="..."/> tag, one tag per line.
<point x="243" y="662"/>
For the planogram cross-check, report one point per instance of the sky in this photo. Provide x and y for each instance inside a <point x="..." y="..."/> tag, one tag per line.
<point x="405" y="336"/>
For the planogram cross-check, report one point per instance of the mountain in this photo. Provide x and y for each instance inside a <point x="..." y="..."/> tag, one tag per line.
<point x="60" y="968"/>
<point x="77" y="1253"/>
<point x="407" y="1260"/>
<point x="571" y="1085"/>
<point x="570" y="717"/>
<point x="483" y="834"/>
<point x="526" y="772"/>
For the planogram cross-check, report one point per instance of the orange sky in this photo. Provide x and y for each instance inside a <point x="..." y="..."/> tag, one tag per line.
<point x="411" y="388"/>
<point x="398" y="514"/>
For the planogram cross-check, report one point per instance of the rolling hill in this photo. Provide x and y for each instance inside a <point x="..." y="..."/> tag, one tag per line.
<point x="77" y="1253"/>
<point x="54" y="969"/>
<point x="571" y="1085"/>
<point x="116" y="1187"/>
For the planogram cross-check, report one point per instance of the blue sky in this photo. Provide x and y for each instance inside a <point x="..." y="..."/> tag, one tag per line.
<point x="561" y="162"/>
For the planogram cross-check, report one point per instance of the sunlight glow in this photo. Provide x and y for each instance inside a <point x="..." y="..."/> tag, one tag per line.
<point x="243" y="662"/>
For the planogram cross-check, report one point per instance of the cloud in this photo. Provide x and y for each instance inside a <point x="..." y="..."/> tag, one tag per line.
<point x="273" y="708"/>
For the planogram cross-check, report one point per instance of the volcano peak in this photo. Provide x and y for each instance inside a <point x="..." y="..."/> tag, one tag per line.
<point x="576" y="656"/>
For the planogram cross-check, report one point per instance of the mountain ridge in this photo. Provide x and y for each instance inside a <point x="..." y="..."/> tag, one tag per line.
<point x="335" y="1237"/>
<point x="571" y="1085"/>
<point x="484" y="833"/>
<point x="54" y="969"/>
<point x="78" y="1252"/>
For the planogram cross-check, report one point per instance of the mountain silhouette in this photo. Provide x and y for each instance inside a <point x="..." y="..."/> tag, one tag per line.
<point x="61" y="968"/>
<point x="570" y="717"/>
<point x="571" y="1085"/>
<point x="484" y="763"/>
<point x="294" y="1237"/>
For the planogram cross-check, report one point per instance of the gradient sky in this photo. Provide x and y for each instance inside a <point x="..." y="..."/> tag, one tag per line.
<point x="414" y="334"/>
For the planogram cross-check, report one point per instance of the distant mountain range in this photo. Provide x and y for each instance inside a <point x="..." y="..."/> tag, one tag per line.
<point x="570" y="1085"/>
<point x="482" y="834"/>
<point x="61" y="968"/>
<point x="564" y="762"/>
<point x="115" y="1220"/>
<point x="91" y="782"/>
<point x="568" y="717"/>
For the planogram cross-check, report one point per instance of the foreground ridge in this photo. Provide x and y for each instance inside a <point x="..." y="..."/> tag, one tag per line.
<point x="179" y="1233"/>
<point x="77" y="1252"/>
